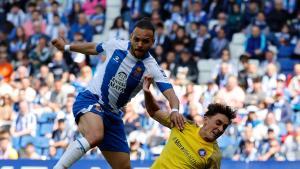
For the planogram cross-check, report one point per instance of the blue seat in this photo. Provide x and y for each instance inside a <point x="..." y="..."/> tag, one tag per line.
<point x="24" y="140"/>
<point x="42" y="151"/>
<point x="59" y="153"/>
<point x="41" y="142"/>
<point x="42" y="145"/>
<point x="287" y="65"/>
<point x="45" y="128"/>
<point x="16" y="143"/>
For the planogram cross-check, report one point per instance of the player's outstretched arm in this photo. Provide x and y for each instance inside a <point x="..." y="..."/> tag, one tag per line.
<point x="177" y="119"/>
<point x="85" y="48"/>
<point x="152" y="107"/>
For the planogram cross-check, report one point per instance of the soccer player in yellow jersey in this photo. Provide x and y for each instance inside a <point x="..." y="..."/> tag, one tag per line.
<point x="194" y="147"/>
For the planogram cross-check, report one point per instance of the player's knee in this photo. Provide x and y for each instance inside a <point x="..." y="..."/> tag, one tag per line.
<point x="94" y="138"/>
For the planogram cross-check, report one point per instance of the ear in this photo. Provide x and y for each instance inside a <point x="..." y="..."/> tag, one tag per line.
<point x="205" y="120"/>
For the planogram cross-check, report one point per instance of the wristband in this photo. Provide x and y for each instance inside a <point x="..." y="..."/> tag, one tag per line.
<point x="174" y="110"/>
<point x="67" y="48"/>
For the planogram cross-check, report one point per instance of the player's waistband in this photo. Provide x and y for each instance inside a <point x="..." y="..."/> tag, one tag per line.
<point x="103" y="106"/>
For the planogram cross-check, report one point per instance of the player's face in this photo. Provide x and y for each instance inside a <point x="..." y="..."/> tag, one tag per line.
<point x="215" y="126"/>
<point x="141" y="41"/>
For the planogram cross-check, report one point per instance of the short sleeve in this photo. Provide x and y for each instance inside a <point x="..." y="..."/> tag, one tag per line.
<point x="160" y="78"/>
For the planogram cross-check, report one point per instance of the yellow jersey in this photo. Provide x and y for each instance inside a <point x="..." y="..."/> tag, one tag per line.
<point x="186" y="149"/>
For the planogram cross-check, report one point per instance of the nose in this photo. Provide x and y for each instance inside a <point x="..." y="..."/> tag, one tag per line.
<point x="221" y="129"/>
<point x="140" y="44"/>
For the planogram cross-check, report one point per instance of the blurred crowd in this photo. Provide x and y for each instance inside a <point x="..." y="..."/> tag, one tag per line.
<point x="242" y="53"/>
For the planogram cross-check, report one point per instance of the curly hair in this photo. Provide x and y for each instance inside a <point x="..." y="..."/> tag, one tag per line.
<point x="217" y="108"/>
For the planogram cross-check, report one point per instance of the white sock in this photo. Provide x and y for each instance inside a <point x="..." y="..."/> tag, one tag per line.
<point x="74" y="152"/>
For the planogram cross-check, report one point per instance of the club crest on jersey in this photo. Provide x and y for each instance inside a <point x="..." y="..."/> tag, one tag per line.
<point x="202" y="152"/>
<point x="137" y="72"/>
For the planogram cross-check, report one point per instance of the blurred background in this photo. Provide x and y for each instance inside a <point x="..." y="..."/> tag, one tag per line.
<point x="245" y="53"/>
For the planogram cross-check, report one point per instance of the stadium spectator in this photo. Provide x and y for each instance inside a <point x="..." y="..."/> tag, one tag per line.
<point x="232" y="94"/>
<point x="16" y="15"/>
<point x="55" y="27"/>
<point x="18" y="42"/>
<point x="7" y="152"/>
<point x="30" y="152"/>
<point x="256" y="94"/>
<point x="256" y="44"/>
<point x="218" y="44"/>
<point x="118" y="30"/>
<point x="24" y="124"/>
<point x="97" y="20"/>
<point x="61" y="136"/>
<point x="273" y="20"/>
<point x="82" y="26"/>
<point x="74" y="13"/>
<point x="270" y="148"/>
<point x="249" y="152"/>
<point x="186" y="70"/>
<point x="30" y="25"/>
<point x="90" y="6"/>
<point x="6" y="68"/>
<point x="200" y="45"/>
<point x="261" y="130"/>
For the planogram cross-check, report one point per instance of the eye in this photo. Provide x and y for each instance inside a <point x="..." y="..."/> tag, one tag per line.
<point x="145" y="41"/>
<point x="218" y="122"/>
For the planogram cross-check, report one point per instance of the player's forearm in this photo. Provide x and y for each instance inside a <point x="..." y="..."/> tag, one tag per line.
<point x="85" y="48"/>
<point x="154" y="111"/>
<point x="172" y="98"/>
<point x="151" y="105"/>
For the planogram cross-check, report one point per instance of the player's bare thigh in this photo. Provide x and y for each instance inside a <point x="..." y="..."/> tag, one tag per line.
<point x="91" y="127"/>
<point x="117" y="160"/>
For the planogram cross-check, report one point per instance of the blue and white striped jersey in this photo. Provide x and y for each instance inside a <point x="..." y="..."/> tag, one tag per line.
<point x="121" y="76"/>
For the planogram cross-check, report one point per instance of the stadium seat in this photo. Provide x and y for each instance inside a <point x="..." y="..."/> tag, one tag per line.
<point x="45" y="128"/>
<point x="236" y="50"/>
<point x="24" y="140"/>
<point x="42" y="145"/>
<point x="212" y="23"/>
<point x="205" y="67"/>
<point x="287" y="65"/>
<point x="16" y="143"/>
<point x="238" y="39"/>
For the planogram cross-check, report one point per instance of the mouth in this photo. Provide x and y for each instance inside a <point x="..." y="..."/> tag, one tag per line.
<point x="215" y="133"/>
<point x="139" y="50"/>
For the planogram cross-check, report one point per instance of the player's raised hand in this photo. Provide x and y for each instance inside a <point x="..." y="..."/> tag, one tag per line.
<point x="147" y="82"/>
<point x="59" y="43"/>
<point x="177" y="120"/>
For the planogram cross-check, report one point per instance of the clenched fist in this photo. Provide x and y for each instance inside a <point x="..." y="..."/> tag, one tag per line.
<point x="59" y="43"/>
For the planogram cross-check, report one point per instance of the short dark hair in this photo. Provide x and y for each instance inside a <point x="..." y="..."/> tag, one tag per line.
<point x="217" y="108"/>
<point x="145" y="23"/>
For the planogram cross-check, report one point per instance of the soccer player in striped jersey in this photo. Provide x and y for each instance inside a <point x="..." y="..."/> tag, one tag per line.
<point x="195" y="147"/>
<point x="97" y="109"/>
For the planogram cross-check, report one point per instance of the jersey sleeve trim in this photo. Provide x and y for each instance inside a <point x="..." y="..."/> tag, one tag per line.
<point x="163" y="86"/>
<point x="99" y="48"/>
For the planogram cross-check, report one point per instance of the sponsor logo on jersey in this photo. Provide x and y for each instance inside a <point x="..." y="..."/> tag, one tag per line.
<point x="118" y="82"/>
